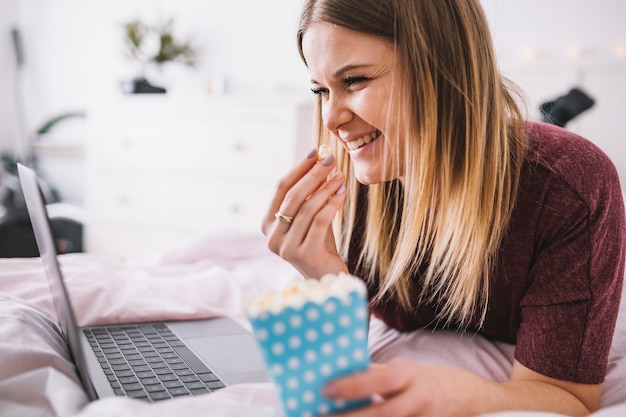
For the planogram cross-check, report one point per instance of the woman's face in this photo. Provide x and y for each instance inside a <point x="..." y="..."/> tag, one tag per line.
<point x="353" y="72"/>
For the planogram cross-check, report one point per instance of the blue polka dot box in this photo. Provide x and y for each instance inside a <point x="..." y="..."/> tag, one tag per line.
<point x="311" y="334"/>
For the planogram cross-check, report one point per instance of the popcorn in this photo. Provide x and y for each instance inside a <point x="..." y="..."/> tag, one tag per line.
<point x="311" y="333"/>
<point x="323" y="152"/>
<point x="309" y="290"/>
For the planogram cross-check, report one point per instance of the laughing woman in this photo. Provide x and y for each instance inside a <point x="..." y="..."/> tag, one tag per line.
<point x="456" y="211"/>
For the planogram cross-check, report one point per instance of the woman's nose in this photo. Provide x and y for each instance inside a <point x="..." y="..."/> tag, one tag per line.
<point x="335" y="113"/>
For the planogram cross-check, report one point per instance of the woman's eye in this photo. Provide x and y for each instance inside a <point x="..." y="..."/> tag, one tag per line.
<point x="349" y="81"/>
<point x="319" y="91"/>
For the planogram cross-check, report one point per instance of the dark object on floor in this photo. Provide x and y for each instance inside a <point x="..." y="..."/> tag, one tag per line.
<point x="17" y="239"/>
<point x="141" y="86"/>
<point x="16" y="236"/>
<point x="560" y="111"/>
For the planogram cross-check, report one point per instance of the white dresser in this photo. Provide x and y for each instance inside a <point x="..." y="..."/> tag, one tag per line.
<point x="163" y="170"/>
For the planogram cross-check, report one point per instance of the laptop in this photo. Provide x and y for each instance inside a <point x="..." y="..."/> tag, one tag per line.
<point x="147" y="361"/>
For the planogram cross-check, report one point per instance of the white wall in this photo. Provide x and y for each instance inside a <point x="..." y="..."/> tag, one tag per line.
<point x="8" y="124"/>
<point x="74" y="57"/>
<point x="549" y="46"/>
<point x="74" y="54"/>
<point x="74" y="48"/>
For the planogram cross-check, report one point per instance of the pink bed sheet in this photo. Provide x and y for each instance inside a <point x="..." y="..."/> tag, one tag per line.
<point x="211" y="276"/>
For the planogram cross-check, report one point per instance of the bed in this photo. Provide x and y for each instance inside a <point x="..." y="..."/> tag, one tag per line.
<point x="212" y="275"/>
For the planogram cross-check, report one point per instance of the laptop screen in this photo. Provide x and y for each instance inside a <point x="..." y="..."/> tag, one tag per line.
<point x="48" y="253"/>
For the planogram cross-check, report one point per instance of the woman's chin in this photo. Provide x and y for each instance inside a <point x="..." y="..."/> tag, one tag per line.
<point x="373" y="176"/>
<point x="366" y="178"/>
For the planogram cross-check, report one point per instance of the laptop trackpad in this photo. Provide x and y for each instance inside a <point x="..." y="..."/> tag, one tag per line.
<point x="228" y="354"/>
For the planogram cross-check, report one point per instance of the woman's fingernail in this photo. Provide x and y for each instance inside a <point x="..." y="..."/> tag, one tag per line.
<point x="341" y="190"/>
<point x="311" y="153"/>
<point x="328" y="160"/>
<point x="329" y="391"/>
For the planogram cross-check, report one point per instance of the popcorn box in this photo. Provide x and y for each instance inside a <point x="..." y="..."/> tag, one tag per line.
<point x="311" y="334"/>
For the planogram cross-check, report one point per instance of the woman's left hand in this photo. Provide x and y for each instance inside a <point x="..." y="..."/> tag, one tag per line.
<point x="406" y="388"/>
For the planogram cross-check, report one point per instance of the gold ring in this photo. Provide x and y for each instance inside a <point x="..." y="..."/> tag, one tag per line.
<point x="282" y="218"/>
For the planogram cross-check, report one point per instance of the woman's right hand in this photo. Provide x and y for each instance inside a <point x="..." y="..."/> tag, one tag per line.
<point x="311" y="196"/>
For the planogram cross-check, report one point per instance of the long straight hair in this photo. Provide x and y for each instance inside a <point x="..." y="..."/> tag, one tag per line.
<point x="462" y="151"/>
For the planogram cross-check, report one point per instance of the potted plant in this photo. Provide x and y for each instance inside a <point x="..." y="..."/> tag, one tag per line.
<point x="154" y="46"/>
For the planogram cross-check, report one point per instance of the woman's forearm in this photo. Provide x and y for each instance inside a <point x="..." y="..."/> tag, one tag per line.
<point x="406" y="388"/>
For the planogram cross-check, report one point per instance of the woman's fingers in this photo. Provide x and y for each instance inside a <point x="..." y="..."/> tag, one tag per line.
<point x="385" y="381"/>
<point x="285" y="183"/>
<point x="325" y="209"/>
<point x="298" y="222"/>
<point x="403" y="388"/>
<point x="293" y="190"/>
<point x="390" y="384"/>
<point x="312" y="219"/>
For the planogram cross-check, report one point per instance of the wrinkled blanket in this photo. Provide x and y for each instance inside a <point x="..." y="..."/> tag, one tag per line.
<point x="211" y="276"/>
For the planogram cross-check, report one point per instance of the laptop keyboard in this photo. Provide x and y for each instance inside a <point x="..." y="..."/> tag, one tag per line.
<point x="149" y="362"/>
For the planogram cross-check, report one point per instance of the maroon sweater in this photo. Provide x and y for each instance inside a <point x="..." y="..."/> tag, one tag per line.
<point x="556" y="288"/>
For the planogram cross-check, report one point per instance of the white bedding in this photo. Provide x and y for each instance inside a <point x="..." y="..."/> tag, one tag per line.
<point x="210" y="276"/>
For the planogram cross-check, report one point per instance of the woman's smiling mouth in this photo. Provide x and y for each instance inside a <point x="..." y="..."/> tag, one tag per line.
<point x="356" y="144"/>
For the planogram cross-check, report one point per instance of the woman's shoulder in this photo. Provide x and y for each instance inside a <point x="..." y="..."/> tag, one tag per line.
<point x="572" y="159"/>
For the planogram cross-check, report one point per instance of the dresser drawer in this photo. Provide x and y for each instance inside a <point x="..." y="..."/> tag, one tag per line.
<point x="180" y="203"/>
<point x="258" y="149"/>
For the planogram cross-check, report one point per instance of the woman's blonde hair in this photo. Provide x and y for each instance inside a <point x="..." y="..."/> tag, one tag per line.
<point x="462" y="155"/>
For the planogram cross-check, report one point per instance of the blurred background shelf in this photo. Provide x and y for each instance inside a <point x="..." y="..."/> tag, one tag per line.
<point x="161" y="171"/>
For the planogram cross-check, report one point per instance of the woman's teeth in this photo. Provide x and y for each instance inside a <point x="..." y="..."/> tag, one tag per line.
<point x="356" y="144"/>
